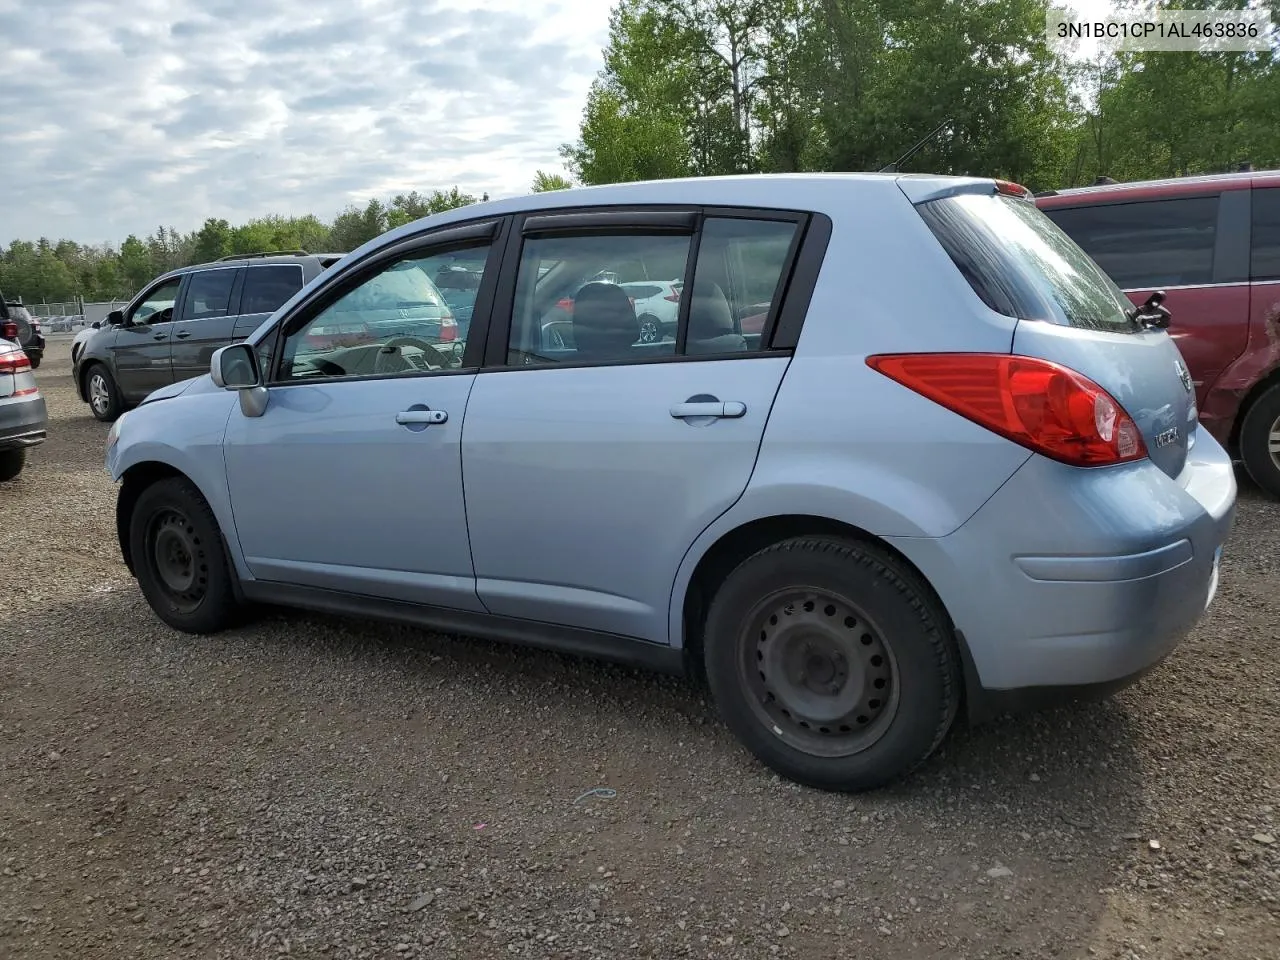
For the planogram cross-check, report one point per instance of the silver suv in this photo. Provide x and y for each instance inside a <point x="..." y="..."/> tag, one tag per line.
<point x="952" y="464"/>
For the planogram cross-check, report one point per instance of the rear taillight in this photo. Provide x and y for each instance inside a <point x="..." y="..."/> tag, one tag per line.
<point x="9" y="330"/>
<point x="673" y="296"/>
<point x="1044" y="406"/>
<point x="15" y="363"/>
<point x="448" y="329"/>
<point x="1010" y="189"/>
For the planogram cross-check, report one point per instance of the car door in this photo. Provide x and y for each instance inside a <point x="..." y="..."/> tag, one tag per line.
<point x="141" y="350"/>
<point x="591" y="467"/>
<point x="1195" y="248"/>
<point x="351" y="479"/>
<point x="206" y="320"/>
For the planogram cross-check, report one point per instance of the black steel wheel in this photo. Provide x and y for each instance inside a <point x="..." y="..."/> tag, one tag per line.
<point x="820" y="673"/>
<point x="832" y="661"/>
<point x="179" y="558"/>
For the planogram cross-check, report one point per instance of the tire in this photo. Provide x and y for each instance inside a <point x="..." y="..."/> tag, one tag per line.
<point x="179" y="558"/>
<point x="106" y="405"/>
<point x="1260" y="441"/>
<point x="35" y="360"/>
<point x="650" y="328"/>
<point x="865" y="630"/>
<point x="11" y="462"/>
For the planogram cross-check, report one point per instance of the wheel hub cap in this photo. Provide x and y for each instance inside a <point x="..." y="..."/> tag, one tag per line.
<point x="1273" y="442"/>
<point x="98" y="392"/>
<point x="821" y="675"/>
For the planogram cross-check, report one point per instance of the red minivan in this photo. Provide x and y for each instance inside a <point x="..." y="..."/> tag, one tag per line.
<point x="1213" y="245"/>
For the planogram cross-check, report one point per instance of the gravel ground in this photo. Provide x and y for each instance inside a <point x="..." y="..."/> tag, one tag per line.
<point x="313" y="787"/>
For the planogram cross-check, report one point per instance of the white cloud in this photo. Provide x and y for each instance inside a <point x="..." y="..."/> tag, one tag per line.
<point x="119" y="117"/>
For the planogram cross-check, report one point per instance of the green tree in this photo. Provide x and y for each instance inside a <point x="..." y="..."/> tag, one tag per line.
<point x="544" y="182"/>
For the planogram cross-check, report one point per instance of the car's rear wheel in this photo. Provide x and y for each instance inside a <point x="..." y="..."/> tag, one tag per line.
<point x="11" y="462"/>
<point x="35" y="359"/>
<point x="1260" y="441"/>
<point x="179" y="558"/>
<point x="832" y="662"/>
<point x="104" y="397"/>
<point x="650" y="328"/>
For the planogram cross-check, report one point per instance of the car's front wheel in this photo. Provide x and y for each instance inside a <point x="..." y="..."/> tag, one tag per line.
<point x="179" y="558"/>
<point x="1260" y="441"/>
<point x="11" y="462"/>
<point x="650" y="328"/>
<point x="105" y="401"/>
<point x="832" y="662"/>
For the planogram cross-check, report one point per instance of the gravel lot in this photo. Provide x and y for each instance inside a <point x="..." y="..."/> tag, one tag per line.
<point x="313" y="787"/>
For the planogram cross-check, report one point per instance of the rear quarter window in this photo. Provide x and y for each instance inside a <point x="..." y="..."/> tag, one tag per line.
<point x="1023" y="266"/>
<point x="1265" y="260"/>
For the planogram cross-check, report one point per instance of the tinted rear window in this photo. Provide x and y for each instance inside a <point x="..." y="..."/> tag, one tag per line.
<point x="1266" y="234"/>
<point x="1022" y="265"/>
<point x="1147" y="244"/>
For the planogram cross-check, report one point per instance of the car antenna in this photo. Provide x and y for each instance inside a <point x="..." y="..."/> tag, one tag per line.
<point x="893" y="167"/>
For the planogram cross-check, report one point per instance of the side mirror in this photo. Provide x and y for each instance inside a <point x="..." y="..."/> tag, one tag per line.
<point x="235" y="367"/>
<point x="114" y="319"/>
<point x="97" y="324"/>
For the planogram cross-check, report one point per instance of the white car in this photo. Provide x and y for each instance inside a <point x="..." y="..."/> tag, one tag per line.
<point x="657" y="304"/>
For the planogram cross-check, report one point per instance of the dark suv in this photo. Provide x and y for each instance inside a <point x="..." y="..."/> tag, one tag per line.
<point x="169" y="331"/>
<point x="1213" y="245"/>
<point x="19" y="326"/>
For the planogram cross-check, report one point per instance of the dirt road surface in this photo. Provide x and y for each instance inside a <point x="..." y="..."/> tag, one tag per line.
<point x="315" y="787"/>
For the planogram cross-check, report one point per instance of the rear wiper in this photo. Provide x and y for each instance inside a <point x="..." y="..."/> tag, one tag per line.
<point x="1151" y="315"/>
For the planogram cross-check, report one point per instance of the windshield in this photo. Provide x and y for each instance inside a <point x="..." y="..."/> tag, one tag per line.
<point x="1022" y="265"/>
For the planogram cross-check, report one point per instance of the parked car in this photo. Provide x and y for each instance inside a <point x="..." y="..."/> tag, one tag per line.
<point x="23" y="421"/>
<point x="657" y="305"/>
<point x="170" y="330"/>
<point x="17" y="325"/>
<point x="982" y="482"/>
<point x="1212" y="244"/>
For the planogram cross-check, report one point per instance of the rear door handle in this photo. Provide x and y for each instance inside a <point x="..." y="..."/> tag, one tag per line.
<point x="724" y="409"/>
<point x="421" y="416"/>
<point x="183" y="335"/>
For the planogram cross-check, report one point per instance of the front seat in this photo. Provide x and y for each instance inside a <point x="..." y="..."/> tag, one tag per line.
<point x="711" y="327"/>
<point x="604" y="322"/>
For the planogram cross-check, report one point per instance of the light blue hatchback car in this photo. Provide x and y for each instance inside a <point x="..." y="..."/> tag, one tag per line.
<point x="954" y="466"/>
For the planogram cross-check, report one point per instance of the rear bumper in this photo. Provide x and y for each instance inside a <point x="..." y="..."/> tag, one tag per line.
<point x="1072" y="583"/>
<point x="23" y="422"/>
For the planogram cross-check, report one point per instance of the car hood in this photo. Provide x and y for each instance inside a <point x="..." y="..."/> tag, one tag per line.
<point x="201" y="384"/>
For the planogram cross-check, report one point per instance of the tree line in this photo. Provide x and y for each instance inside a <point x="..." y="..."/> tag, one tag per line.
<point x="708" y="87"/>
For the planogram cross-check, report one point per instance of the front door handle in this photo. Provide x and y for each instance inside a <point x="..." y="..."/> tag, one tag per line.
<point x="183" y="335"/>
<point x="161" y="336"/>
<point x="422" y="416"/>
<point x="720" y="409"/>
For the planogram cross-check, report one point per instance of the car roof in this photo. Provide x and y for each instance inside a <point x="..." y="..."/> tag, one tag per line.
<point x="1155" y="189"/>
<point x="822" y="192"/>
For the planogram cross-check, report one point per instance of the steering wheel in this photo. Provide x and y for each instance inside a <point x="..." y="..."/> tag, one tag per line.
<point x="435" y="359"/>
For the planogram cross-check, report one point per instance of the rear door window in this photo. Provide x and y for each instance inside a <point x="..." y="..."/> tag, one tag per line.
<point x="209" y="294"/>
<point x="267" y="288"/>
<point x="1150" y="243"/>
<point x="1265" y="261"/>
<point x="1022" y="265"/>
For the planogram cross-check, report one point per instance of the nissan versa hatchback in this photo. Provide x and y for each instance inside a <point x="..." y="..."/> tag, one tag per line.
<point x="952" y="466"/>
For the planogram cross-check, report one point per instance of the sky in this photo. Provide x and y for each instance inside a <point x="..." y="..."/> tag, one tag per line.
<point x="117" y="117"/>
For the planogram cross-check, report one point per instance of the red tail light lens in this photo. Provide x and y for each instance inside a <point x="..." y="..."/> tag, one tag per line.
<point x="1042" y="405"/>
<point x="9" y="330"/>
<point x="15" y="363"/>
<point x="673" y="296"/>
<point x="1010" y="189"/>
<point x="448" y="329"/>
